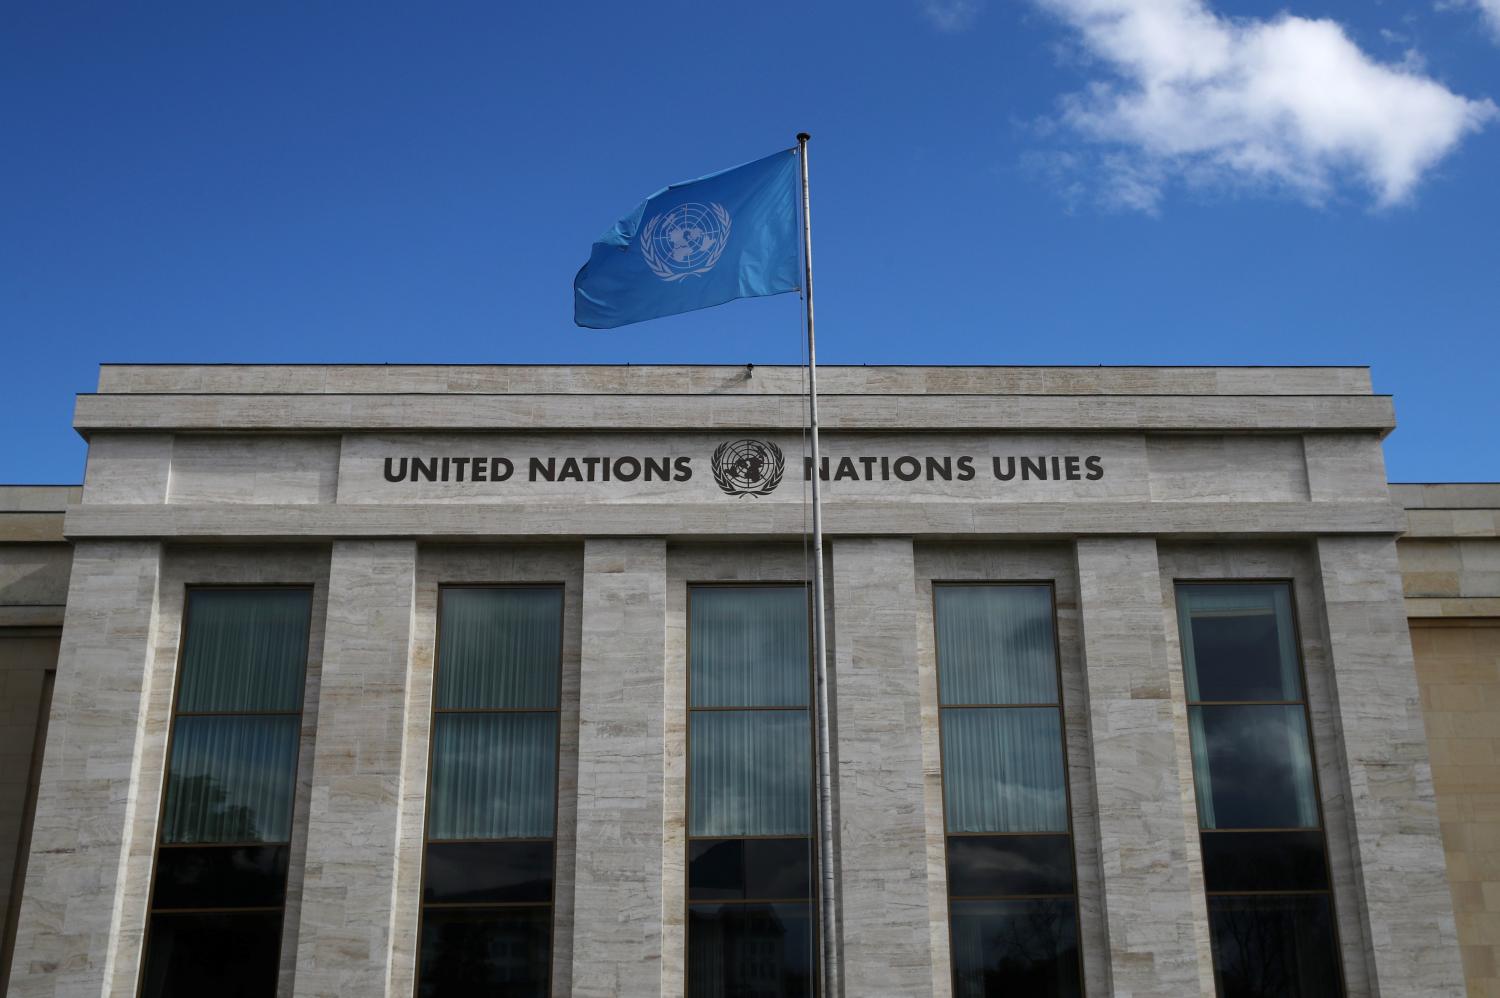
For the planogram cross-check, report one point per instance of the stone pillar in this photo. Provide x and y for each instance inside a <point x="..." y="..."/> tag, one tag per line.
<point x="882" y="824"/>
<point x="344" y="934"/>
<point x="1400" y="872"/>
<point x="69" y="936"/>
<point x="617" y="894"/>
<point x="1147" y="827"/>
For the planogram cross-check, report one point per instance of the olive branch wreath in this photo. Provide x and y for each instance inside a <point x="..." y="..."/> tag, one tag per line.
<point x="774" y="468"/>
<point x="661" y="268"/>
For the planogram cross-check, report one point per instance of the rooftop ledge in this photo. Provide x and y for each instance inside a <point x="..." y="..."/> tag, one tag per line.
<point x="721" y="379"/>
<point x="868" y="412"/>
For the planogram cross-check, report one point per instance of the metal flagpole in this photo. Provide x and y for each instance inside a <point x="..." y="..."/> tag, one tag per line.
<point x="828" y="906"/>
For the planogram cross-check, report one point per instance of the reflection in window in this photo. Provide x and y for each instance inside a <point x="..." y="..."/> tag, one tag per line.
<point x="219" y="890"/>
<point x="751" y="926"/>
<point x="1265" y="860"/>
<point x="487" y="879"/>
<point x="1011" y="885"/>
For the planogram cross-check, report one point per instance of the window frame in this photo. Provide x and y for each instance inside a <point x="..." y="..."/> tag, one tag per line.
<point x="166" y="770"/>
<point x="1062" y="714"/>
<point x="813" y="901"/>
<point x="1295" y="622"/>
<point x="432" y="714"/>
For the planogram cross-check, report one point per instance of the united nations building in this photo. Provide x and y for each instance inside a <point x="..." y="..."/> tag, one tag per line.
<point x="436" y="681"/>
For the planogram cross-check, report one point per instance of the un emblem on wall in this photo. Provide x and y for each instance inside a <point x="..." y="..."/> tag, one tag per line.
<point x="748" y="467"/>
<point x="686" y="241"/>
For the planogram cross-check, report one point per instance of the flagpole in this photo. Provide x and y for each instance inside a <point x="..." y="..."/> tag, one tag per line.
<point x="828" y="886"/>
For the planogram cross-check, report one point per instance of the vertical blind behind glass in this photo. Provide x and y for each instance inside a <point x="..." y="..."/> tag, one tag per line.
<point x="500" y="647"/>
<point x="245" y="650"/>
<point x="749" y="646"/>
<point x="995" y="644"/>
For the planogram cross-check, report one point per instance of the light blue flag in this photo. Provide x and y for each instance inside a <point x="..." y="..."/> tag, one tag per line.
<point x="695" y="244"/>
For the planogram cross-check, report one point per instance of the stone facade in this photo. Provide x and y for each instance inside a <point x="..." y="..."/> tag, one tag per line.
<point x="1450" y="564"/>
<point x="1107" y="484"/>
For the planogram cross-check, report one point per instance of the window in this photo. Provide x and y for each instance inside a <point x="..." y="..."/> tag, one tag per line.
<point x="1265" y="860"/>
<point x="487" y="883"/>
<point x="1013" y="906"/>
<point x="219" y="891"/>
<point x="751" y="925"/>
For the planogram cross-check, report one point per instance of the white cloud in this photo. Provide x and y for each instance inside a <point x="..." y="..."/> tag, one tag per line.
<point x="1491" y="11"/>
<point x="1287" y="102"/>
<point x="954" y="15"/>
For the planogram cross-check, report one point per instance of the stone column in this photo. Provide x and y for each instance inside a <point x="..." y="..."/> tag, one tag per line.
<point x="344" y="934"/>
<point x="1400" y="872"/>
<point x="1147" y="829"/>
<point x="617" y="893"/>
<point x="69" y="937"/>
<point x="882" y="824"/>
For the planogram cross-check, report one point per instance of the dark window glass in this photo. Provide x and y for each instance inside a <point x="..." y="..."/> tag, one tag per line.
<point x="1008" y="948"/>
<point x="494" y="952"/>
<point x="503" y="872"/>
<point x="749" y="793"/>
<point x="1014" y="925"/>
<point x="755" y="869"/>
<point x="228" y="796"/>
<point x="1253" y="766"/>
<point x="997" y="865"/>
<point x="232" y="778"/>
<point x="1239" y="642"/>
<point x="1277" y="946"/>
<point x="751" y="950"/>
<point x="1264" y="861"/>
<point x="220" y="877"/>
<point x="219" y="954"/>
<point x="488" y="879"/>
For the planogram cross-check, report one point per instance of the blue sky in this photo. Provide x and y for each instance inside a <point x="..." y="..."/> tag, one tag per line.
<point x="1016" y="182"/>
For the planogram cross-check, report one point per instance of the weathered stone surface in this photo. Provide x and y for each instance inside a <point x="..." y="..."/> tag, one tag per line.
<point x="70" y="937"/>
<point x="1220" y="468"/>
<point x="34" y="574"/>
<point x="882" y="860"/>
<point x="251" y="469"/>
<point x="728" y="379"/>
<point x="1155" y="914"/>
<point x="344" y="933"/>
<point x="231" y="413"/>
<point x="617" y="897"/>
<point x="128" y="468"/>
<point x="728" y="518"/>
<point x="1407" y="907"/>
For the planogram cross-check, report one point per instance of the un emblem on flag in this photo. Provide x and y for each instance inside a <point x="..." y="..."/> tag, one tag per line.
<point x="748" y="467"/>
<point x="686" y="241"/>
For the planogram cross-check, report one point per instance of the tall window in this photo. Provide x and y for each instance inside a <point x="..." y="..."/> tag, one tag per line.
<point x="487" y="885"/>
<point x="1013" y="907"/>
<point x="221" y="861"/>
<point x="751" y="931"/>
<point x="1265" y="861"/>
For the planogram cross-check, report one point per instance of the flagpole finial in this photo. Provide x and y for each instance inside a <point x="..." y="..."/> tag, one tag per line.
<point x="803" y="136"/>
